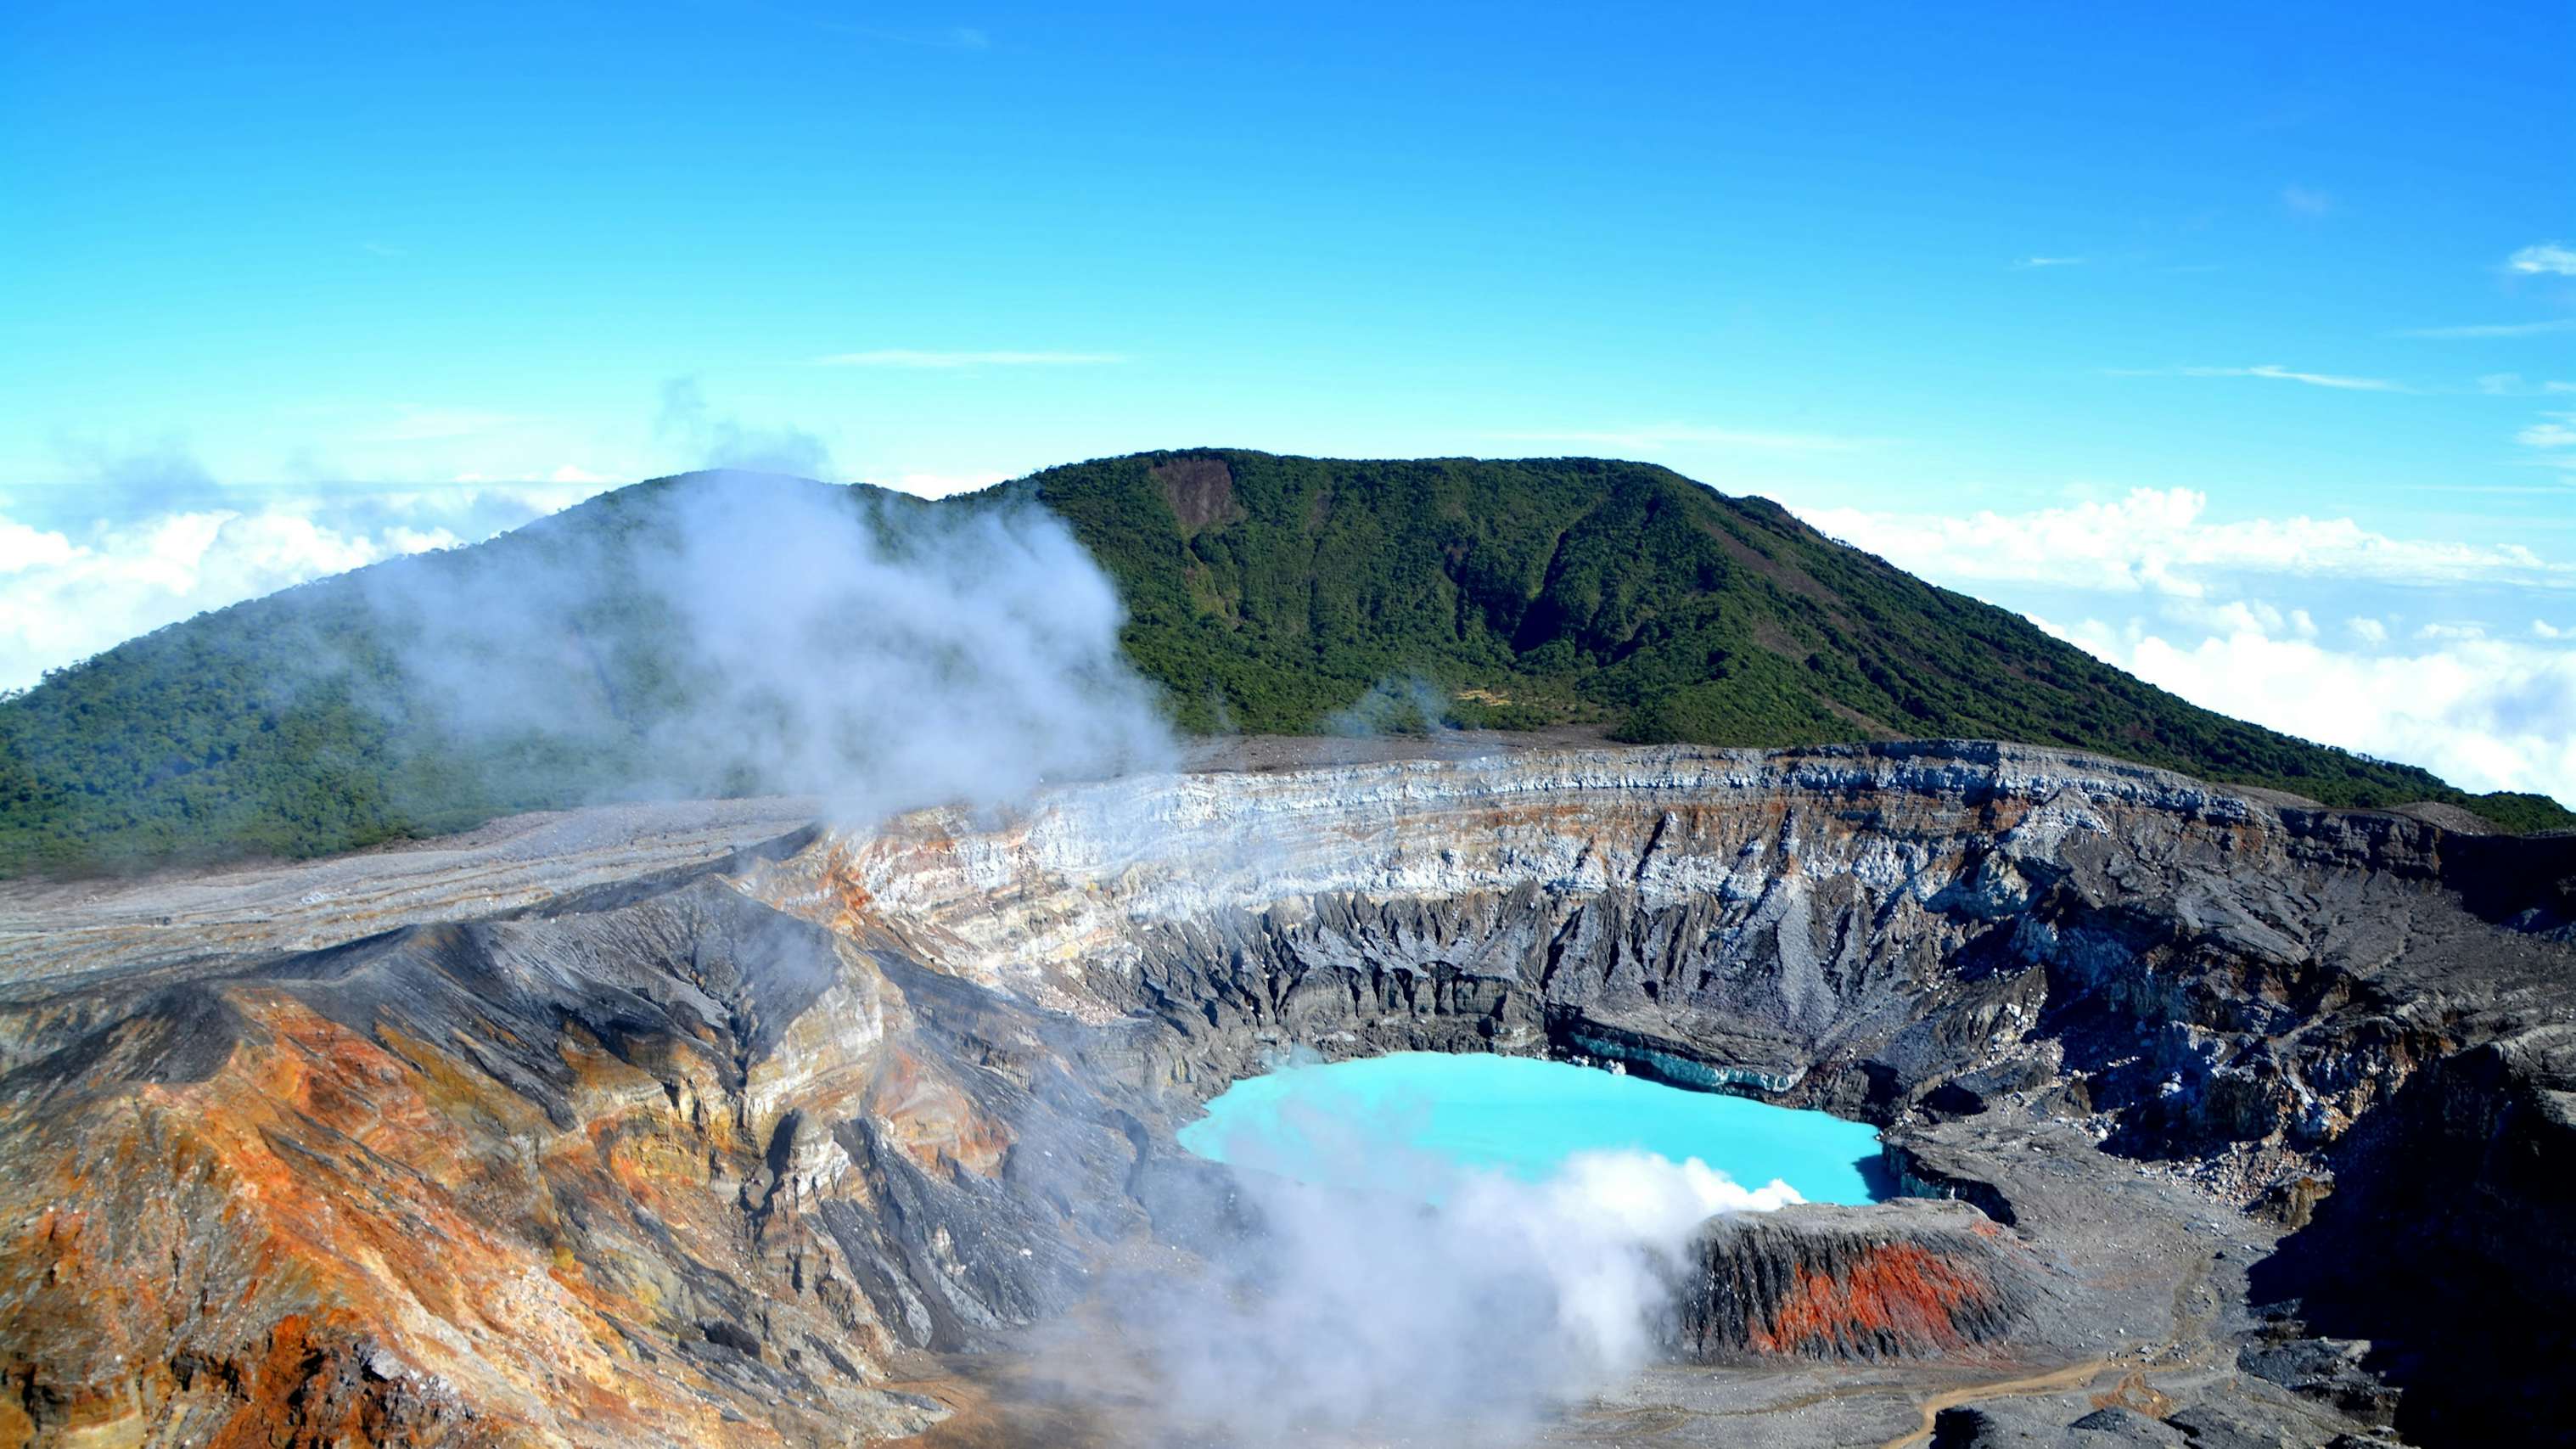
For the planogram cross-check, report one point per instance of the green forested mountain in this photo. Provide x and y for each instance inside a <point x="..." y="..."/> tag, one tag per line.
<point x="1263" y="593"/>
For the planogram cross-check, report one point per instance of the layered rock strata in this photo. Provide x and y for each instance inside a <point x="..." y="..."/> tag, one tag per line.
<point x="1913" y="1279"/>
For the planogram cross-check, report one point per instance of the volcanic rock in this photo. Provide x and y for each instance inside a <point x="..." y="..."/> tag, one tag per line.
<point x="778" y="1145"/>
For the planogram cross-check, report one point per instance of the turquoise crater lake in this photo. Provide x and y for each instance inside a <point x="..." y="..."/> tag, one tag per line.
<point x="1402" y="1120"/>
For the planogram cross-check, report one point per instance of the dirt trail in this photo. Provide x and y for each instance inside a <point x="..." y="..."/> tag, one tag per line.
<point x="2075" y="1376"/>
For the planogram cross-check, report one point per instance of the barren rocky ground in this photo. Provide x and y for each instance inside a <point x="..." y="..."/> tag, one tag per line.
<point x="57" y="928"/>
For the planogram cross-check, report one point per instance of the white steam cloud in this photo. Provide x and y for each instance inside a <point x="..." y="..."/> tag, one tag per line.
<point x="1411" y="1296"/>
<point x="756" y="634"/>
<point x="1407" y="705"/>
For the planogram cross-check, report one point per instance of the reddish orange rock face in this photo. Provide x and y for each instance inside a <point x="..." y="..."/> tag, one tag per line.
<point x="339" y="1237"/>
<point x="1898" y="1291"/>
<point x="1913" y="1278"/>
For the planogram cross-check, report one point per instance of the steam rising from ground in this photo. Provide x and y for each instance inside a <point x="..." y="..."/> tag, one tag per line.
<point x="1438" y="1300"/>
<point x="1407" y="705"/>
<point x="751" y="635"/>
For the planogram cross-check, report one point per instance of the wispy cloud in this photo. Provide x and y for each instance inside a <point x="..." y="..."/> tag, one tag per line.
<point x="2514" y="384"/>
<point x="2278" y="373"/>
<point x="2029" y="263"/>
<point x="2554" y="432"/>
<point x="720" y="440"/>
<point x="2306" y="200"/>
<point x="1671" y="434"/>
<point x="2271" y="371"/>
<point x="2494" y="329"/>
<point x="917" y="359"/>
<point x="2549" y="258"/>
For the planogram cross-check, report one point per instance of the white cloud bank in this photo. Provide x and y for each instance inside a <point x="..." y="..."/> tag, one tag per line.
<point x="2161" y="541"/>
<point x="68" y="591"/>
<point x="2150" y="583"/>
<point x="62" y="601"/>
<point x="2486" y="714"/>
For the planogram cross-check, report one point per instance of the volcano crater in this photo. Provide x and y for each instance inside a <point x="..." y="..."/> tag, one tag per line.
<point x="843" y="1135"/>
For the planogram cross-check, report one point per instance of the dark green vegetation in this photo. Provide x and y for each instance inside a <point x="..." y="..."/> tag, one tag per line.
<point x="1264" y="594"/>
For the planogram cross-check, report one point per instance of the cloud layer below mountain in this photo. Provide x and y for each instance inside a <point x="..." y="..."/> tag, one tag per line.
<point x="73" y="582"/>
<point x="2458" y="657"/>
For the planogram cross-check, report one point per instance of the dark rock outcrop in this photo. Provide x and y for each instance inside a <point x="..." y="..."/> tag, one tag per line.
<point x="2109" y="1428"/>
<point x="1904" y="1280"/>
<point x="2445" y="1244"/>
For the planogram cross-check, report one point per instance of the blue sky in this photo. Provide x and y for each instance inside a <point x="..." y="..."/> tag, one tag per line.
<point x="1934" y="276"/>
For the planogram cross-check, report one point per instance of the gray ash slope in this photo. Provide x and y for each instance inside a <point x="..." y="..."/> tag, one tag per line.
<point x="795" y="1144"/>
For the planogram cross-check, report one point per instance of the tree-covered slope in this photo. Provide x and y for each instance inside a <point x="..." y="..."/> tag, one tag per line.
<point x="1264" y="594"/>
<point x="1269" y="591"/>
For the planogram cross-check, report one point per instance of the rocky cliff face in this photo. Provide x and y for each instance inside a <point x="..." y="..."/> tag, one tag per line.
<point x="715" y="1154"/>
<point x="2444" y="1240"/>
<point x="2218" y="976"/>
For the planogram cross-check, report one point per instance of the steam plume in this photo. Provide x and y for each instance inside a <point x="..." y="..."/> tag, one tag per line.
<point x="1412" y="1296"/>
<point x="753" y="634"/>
